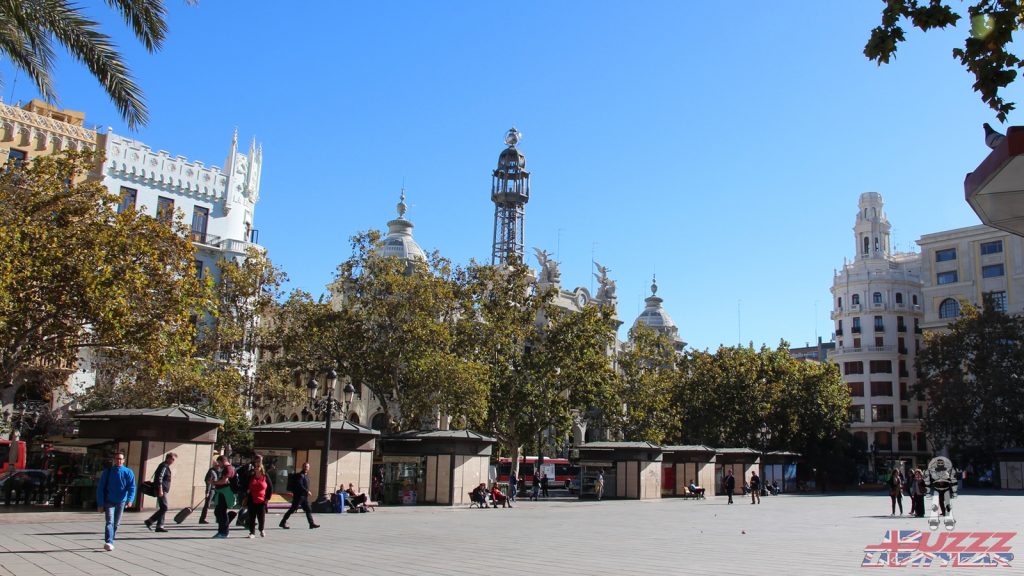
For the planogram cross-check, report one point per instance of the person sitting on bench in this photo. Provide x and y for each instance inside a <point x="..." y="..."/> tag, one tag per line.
<point x="479" y="495"/>
<point x="498" y="498"/>
<point x="358" y="500"/>
<point x="697" y="490"/>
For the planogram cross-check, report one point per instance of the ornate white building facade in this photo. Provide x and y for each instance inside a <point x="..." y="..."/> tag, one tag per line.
<point x="877" y="308"/>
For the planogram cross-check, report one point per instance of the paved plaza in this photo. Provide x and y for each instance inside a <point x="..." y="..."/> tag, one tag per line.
<point x="789" y="534"/>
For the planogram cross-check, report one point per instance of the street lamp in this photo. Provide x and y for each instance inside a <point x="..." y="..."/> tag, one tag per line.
<point x="765" y="432"/>
<point x="327" y="404"/>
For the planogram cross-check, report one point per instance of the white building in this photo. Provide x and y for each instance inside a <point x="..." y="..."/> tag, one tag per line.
<point x="962" y="266"/>
<point x="654" y="316"/>
<point x="877" y="310"/>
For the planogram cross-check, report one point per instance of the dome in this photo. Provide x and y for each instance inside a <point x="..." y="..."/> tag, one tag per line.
<point x="656" y="318"/>
<point x="399" y="241"/>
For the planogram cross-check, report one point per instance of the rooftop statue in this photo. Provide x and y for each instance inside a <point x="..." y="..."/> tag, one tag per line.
<point x="549" y="273"/>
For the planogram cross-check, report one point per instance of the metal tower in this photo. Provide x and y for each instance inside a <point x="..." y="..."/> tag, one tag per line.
<point x="510" y="191"/>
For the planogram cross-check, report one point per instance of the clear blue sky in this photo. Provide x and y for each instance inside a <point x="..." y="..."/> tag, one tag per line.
<point x="721" y="144"/>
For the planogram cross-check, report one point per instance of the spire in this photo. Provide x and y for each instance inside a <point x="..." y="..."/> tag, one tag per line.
<point x="399" y="241"/>
<point x="401" y="205"/>
<point x="871" y="230"/>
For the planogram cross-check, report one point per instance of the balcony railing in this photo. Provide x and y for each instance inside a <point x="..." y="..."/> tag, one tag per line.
<point x="901" y="327"/>
<point x="855" y="308"/>
<point x="904" y="374"/>
<point x="901" y="305"/>
<point x="877" y="306"/>
<point x="918" y="330"/>
<point x="855" y="329"/>
<point x="903" y="350"/>
<point x="205" y="239"/>
<point x="879" y="327"/>
<point x="889" y="348"/>
<point x="839" y="332"/>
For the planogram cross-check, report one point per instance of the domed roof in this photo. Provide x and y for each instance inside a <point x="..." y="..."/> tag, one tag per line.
<point x="511" y="159"/>
<point x="399" y="241"/>
<point x="655" y="317"/>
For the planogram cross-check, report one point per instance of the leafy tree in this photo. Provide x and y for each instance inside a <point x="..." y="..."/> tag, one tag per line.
<point x="75" y="274"/>
<point x="647" y="381"/>
<point x="987" y="51"/>
<point x="29" y="27"/>
<point x="971" y="376"/>
<point x="545" y="365"/>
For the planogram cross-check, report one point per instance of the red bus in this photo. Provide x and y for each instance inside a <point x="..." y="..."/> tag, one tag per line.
<point x="564" y="472"/>
<point x="5" y="456"/>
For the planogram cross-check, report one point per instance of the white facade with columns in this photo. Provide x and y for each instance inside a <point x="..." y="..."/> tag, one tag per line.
<point x="877" y="309"/>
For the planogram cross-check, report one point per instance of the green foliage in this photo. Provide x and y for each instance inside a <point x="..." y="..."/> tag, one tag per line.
<point x="987" y="49"/>
<point x="76" y="274"/>
<point x="971" y="376"/>
<point x="647" y="383"/>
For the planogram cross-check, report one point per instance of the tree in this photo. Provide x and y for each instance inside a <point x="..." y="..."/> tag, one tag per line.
<point x="76" y="274"/>
<point x="647" y="380"/>
<point x="545" y="365"/>
<point x="28" y="28"/>
<point x="970" y="377"/>
<point x="987" y="51"/>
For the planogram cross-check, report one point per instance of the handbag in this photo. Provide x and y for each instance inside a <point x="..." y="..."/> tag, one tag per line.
<point x="148" y="488"/>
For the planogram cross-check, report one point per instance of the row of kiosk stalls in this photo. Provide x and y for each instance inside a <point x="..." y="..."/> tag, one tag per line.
<point x="286" y="446"/>
<point x="145" y="435"/>
<point x="434" y="466"/>
<point x="684" y="464"/>
<point x="631" y="470"/>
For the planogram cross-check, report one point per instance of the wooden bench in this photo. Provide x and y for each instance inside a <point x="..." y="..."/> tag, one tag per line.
<point x="687" y="493"/>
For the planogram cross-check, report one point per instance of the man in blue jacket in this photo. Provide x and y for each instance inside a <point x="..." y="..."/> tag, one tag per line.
<point x="115" y="489"/>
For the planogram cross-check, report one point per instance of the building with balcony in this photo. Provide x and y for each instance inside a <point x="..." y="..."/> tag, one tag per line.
<point x="962" y="266"/>
<point x="877" y="309"/>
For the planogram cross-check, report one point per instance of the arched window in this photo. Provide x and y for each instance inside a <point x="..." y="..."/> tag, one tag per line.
<point x="883" y="440"/>
<point x="899" y="297"/>
<point x="867" y="246"/>
<point x="913" y="299"/>
<point x="876" y="297"/>
<point x="379" y="421"/>
<point x="855" y="299"/>
<point x="840" y="302"/>
<point x="949" y="308"/>
<point x="353" y="418"/>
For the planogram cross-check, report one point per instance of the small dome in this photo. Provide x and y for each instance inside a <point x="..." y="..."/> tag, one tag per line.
<point x="657" y="318"/>
<point x="399" y="241"/>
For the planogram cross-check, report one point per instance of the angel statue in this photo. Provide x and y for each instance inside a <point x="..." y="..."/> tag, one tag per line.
<point x="606" y="289"/>
<point x="549" y="273"/>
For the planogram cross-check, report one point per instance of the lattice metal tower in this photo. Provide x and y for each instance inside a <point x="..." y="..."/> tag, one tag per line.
<point x="510" y="191"/>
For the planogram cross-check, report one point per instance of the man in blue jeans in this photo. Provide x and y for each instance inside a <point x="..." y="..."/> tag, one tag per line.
<point x="115" y="489"/>
<point x="162" y="484"/>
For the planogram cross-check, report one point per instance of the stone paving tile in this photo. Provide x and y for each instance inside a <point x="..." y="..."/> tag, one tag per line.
<point x="786" y="535"/>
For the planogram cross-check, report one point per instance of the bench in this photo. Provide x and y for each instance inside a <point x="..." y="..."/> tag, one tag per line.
<point x="687" y="493"/>
<point x="477" y="503"/>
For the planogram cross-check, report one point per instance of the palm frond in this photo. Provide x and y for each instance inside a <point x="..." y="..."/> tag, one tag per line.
<point x="146" y="19"/>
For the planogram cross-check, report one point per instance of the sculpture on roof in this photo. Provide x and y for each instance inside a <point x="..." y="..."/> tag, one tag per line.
<point x="606" y="286"/>
<point x="549" y="273"/>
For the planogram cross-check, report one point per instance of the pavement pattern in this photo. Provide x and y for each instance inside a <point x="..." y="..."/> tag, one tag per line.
<point x="787" y="534"/>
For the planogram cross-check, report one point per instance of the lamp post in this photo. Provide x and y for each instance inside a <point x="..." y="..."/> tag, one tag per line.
<point x="327" y="404"/>
<point x="765" y="433"/>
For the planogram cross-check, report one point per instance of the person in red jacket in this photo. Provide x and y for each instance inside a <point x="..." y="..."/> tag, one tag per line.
<point x="258" y="492"/>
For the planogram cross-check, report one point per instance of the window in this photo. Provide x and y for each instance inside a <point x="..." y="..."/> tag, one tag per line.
<point x="992" y="271"/>
<point x="904" y="414"/>
<point x="879" y="325"/>
<point x="881" y="366"/>
<point x="904" y="391"/>
<point x="913" y="299"/>
<point x="994" y="247"/>
<point x="998" y="300"/>
<point x="879" y="340"/>
<point x="18" y="157"/>
<point x="900" y="325"/>
<point x="840" y="302"/>
<point x="199" y="269"/>
<point x="856" y="388"/>
<point x="899" y="297"/>
<point x="945" y="255"/>
<point x="948" y="277"/>
<point x="949" y="308"/>
<point x="881" y="413"/>
<point x="128" y="197"/>
<point x="856" y="341"/>
<point x="904" y="442"/>
<point x="839" y="328"/>
<point x="922" y="442"/>
<point x="853" y="367"/>
<point x="165" y="210"/>
<point x="883" y="440"/>
<point x="855" y="299"/>
<point x="855" y="413"/>
<point x="876" y="297"/>
<point x="856" y="325"/>
<point x="881" y="388"/>
<point x="867" y="246"/>
<point x="200" y="218"/>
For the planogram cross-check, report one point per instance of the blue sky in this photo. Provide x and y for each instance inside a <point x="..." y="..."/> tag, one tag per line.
<point x="722" y="145"/>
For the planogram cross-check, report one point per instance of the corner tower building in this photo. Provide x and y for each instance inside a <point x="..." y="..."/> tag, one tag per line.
<point x="510" y="191"/>
<point x="877" y="309"/>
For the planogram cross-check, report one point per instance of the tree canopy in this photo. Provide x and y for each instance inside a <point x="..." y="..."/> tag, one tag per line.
<point x="987" y="52"/>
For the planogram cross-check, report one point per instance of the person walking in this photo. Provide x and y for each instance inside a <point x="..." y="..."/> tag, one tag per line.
<point x="755" y="488"/>
<point x="115" y="489"/>
<point x="896" y="490"/>
<point x="917" y="493"/>
<point x="729" y="484"/>
<point x="513" y="486"/>
<point x="162" y="485"/>
<point x="544" y="485"/>
<point x="299" y="485"/>
<point x="258" y="493"/>
<point x="209" y="479"/>
<point x="535" y="492"/>
<point x="224" y="497"/>
<point x="599" y="485"/>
